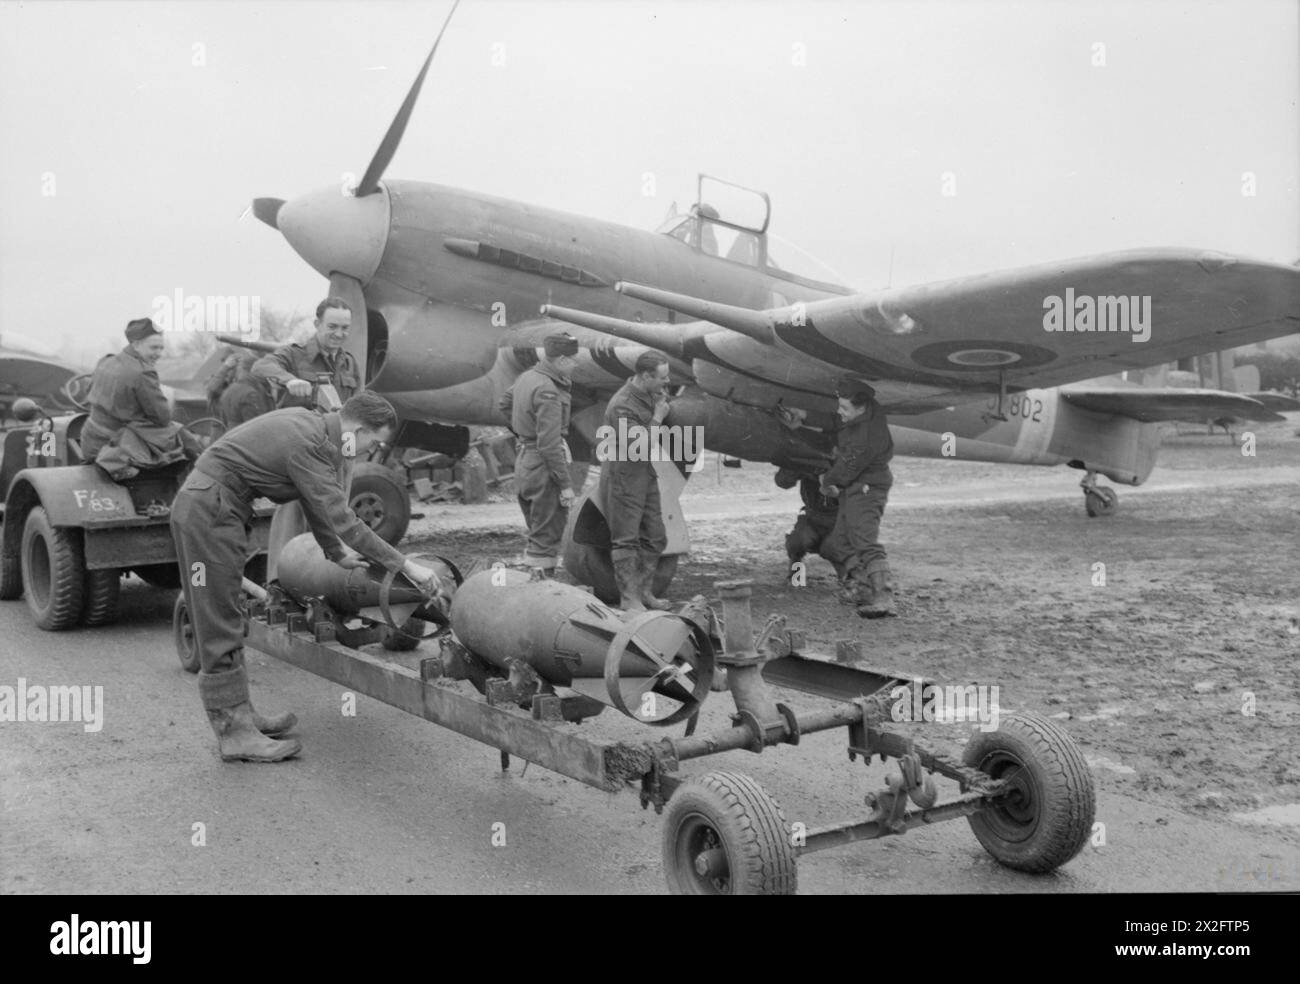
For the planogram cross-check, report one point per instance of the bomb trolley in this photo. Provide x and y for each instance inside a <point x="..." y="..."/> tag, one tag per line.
<point x="545" y="656"/>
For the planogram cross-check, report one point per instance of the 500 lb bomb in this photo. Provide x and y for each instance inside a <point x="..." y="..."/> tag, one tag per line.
<point x="653" y="666"/>
<point x="305" y="573"/>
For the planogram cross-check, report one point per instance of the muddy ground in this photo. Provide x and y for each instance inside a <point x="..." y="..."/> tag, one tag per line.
<point x="1178" y="676"/>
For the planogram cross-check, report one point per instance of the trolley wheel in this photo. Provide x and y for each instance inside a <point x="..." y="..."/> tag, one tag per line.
<point x="1047" y="817"/>
<point x="187" y="649"/>
<point x="723" y="835"/>
<point x="101" y="594"/>
<point x="381" y="501"/>
<point x="53" y="572"/>
<point x="1101" y="501"/>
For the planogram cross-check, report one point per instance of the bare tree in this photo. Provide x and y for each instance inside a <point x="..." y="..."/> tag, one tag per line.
<point x="280" y="326"/>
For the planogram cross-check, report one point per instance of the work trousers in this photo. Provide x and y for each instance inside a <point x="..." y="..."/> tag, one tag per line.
<point x="629" y="493"/>
<point x="539" y="500"/>
<point x="212" y="527"/>
<point x="854" y="543"/>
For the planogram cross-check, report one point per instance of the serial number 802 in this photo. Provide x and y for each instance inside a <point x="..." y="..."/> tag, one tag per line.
<point x="1030" y="408"/>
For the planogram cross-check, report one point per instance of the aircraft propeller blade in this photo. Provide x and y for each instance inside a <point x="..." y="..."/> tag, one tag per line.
<point x="388" y="147"/>
<point x="349" y="288"/>
<point x="268" y="210"/>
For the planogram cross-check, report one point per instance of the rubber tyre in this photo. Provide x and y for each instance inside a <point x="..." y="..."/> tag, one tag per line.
<point x="731" y="812"/>
<point x="101" y="593"/>
<point x="1103" y="502"/>
<point x="54" y="573"/>
<point x="183" y="636"/>
<point x="11" y="577"/>
<point x="381" y="501"/>
<point x="1050" y="819"/>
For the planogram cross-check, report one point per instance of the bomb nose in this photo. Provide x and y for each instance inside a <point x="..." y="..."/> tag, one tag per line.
<point x="337" y="233"/>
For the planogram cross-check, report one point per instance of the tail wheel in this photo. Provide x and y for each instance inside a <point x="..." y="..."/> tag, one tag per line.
<point x="1101" y="501"/>
<point x="53" y="572"/>
<point x="1047" y="817"/>
<point x="723" y="835"/>
<point x="187" y="649"/>
<point x="380" y="501"/>
<point x="101" y="593"/>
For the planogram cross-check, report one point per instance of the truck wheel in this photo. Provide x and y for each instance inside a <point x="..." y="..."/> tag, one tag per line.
<point x="1047" y="818"/>
<point x="53" y="572"/>
<point x="381" y="501"/>
<point x="187" y="649"/>
<point x="101" y="593"/>
<point x="11" y="577"/>
<point x="723" y="835"/>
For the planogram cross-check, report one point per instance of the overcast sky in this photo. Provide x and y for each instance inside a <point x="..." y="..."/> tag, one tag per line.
<point x="1067" y="129"/>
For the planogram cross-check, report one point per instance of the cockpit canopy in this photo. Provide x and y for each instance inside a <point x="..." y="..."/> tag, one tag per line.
<point x="730" y="222"/>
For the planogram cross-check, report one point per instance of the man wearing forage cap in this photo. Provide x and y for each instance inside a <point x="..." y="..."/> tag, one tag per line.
<point x="860" y="476"/>
<point x="125" y="389"/>
<point x="537" y="409"/>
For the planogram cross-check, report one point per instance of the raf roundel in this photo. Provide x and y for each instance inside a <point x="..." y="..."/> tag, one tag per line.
<point x="980" y="355"/>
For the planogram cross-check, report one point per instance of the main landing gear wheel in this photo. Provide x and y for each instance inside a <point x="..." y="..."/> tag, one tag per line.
<point x="187" y="650"/>
<point x="723" y="835"/>
<point x="1047" y="817"/>
<point x="380" y="501"/>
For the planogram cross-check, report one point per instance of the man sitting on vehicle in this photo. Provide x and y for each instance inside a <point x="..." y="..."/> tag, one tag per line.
<point x="130" y="425"/>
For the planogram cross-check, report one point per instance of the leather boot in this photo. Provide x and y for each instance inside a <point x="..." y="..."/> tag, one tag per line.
<point x="646" y="576"/>
<point x="239" y="740"/>
<point x="881" y="602"/>
<point x="627" y="577"/>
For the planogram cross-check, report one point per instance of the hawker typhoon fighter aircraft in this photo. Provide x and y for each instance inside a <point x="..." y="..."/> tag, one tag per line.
<point x="30" y="369"/>
<point x="454" y="291"/>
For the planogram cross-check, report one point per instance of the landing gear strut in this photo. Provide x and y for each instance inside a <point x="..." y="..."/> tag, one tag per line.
<point x="1098" y="500"/>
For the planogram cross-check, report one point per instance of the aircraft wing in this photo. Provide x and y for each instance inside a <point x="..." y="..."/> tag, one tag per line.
<point x="1152" y="405"/>
<point x="1278" y="402"/>
<point x="23" y="374"/>
<point x="1033" y="327"/>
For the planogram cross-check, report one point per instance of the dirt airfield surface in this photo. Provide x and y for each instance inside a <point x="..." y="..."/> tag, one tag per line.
<point x="1198" y="620"/>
